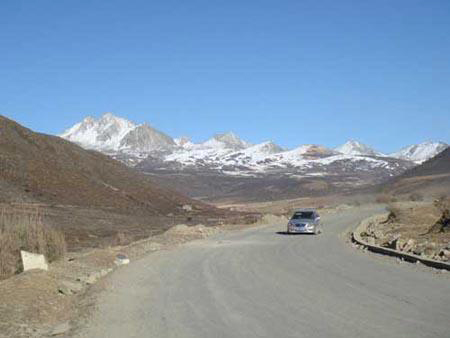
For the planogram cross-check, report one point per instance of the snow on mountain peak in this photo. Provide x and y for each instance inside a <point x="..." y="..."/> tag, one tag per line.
<point x="104" y="133"/>
<point x="226" y="141"/>
<point x="109" y="115"/>
<point x="89" y="120"/>
<point x="183" y="142"/>
<point x="420" y="152"/>
<point x="144" y="139"/>
<point x="262" y="149"/>
<point x="112" y="133"/>
<point x="227" y="152"/>
<point x="306" y="151"/>
<point x="268" y="147"/>
<point x="352" y="147"/>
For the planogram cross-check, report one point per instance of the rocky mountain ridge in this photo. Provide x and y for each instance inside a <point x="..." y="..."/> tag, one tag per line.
<point x="225" y="167"/>
<point x="152" y="149"/>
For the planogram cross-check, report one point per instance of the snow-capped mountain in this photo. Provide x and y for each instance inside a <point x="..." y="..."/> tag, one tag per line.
<point x="352" y="147"/>
<point x="146" y="139"/>
<point x="226" y="165"/>
<point x="262" y="149"/>
<point x="268" y="158"/>
<point x="114" y="134"/>
<point x="227" y="158"/>
<point x="150" y="149"/>
<point x="183" y="142"/>
<point x="420" y="152"/>
<point x="225" y="141"/>
<point x="104" y="134"/>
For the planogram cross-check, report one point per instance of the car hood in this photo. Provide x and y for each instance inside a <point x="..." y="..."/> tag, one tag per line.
<point x="297" y="221"/>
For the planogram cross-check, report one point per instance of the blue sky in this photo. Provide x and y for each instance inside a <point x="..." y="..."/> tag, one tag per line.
<point x="291" y="71"/>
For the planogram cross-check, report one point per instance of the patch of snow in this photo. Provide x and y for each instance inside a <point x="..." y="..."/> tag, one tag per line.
<point x="225" y="141"/>
<point x="184" y="142"/>
<point x="105" y="133"/>
<point x="420" y="152"/>
<point x="357" y="148"/>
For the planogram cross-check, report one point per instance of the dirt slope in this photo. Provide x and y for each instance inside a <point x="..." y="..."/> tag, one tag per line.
<point x="87" y="194"/>
<point x="51" y="169"/>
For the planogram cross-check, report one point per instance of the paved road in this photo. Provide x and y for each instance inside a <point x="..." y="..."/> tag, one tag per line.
<point x="257" y="283"/>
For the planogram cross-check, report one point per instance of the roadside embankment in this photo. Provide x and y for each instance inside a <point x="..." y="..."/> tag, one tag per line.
<point x="386" y="234"/>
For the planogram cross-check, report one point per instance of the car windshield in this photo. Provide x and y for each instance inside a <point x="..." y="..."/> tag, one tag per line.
<point x="303" y="215"/>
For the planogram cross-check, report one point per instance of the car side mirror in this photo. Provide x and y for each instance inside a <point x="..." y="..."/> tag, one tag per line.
<point x="318" y="218"/>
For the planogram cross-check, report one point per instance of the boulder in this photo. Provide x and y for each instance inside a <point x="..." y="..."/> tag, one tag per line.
<point x="378" y="234"/>
<point x="419" y="250"/>
<point x="93" y="277"/>
<point x="32" y="261"/>
<point x="187" y="207"/>
<point x="69" y="288"/>
<point x="122" y="259"/>
<point x="392" y="243"/>
<point x="89" y="279"/>
<point x="444" y="254"/>
<point x="409" y="245"/>
<point x="400" y="244"/>
<point x="429" y="252"/>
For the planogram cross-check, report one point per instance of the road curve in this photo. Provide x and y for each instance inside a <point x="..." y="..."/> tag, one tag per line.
<point x="258" y="283"/>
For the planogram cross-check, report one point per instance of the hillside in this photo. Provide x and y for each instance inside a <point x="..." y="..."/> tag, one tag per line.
<point x="430" y="178"/>
<point x="439" y="164"/>
<point x="85" y="193"/>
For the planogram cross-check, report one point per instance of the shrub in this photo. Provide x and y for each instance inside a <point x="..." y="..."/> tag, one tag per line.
<point x="24" y="230"/>
<point x="393" y="215"/>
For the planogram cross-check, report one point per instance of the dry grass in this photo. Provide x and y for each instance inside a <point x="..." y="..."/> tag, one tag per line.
<point x="24" y="229"/>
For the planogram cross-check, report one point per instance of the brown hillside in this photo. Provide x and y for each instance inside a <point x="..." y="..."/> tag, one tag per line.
<point x="437" y="165"/>
<point x="53" y="170"/>
<point x="431" y="178"/>
<point x="87" y="194"/>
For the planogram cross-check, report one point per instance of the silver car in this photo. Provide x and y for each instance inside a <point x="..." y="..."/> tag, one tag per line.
<point x="305" y="221"/>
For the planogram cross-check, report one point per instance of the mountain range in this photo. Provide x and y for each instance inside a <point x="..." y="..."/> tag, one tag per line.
<point x="227" y="158"/>
<point x="114" y="135"/>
